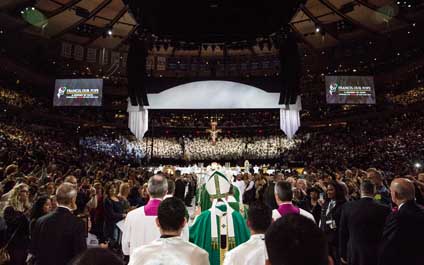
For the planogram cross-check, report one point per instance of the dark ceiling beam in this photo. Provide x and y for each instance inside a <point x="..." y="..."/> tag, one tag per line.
<point x="347" y="18"/>
<point x="101" y="17"/>
<point x="375" y="8"/>
<point x="323" y="27"/>
<point x="55" y="12"/>
<point x="63" y="8"/>
<point x="302" y="38"/>
<point x="110" y="25"/>
<point x="318" y="17"/>
<point x="9" y="6"/>
<point x="93" y="13"/>
<point x="124" y="40"/>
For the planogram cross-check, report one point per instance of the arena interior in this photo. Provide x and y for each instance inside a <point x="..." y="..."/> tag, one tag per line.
<point x="302" y="118"/>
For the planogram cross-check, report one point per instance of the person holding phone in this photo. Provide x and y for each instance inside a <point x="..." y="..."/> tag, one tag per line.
<point x="311" y="204"/>
<point x="113" y="213"/>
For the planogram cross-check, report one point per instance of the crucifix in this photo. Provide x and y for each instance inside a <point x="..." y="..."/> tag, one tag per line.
<point x="213" y="131"/>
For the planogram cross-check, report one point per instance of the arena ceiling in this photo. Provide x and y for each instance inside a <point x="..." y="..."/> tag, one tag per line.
<point x="108" y="23"/>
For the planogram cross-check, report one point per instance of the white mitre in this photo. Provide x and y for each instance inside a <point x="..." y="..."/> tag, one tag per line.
<point x="218" y="186"/>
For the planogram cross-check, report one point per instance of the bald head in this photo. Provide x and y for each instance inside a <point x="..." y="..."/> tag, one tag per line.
<point x="402" y="190"/>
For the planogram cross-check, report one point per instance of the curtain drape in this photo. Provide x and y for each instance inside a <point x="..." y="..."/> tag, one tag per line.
<point x="138" y="120"/>
<point x="290" y="118"/>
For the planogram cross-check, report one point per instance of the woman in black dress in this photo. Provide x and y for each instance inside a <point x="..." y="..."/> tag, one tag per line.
<point x="113" y="213"/>
<point x="330" y="217"/>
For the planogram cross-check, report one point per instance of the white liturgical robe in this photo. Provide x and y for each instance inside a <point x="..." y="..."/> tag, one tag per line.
<point x="141" y="229"/>
<point x="169" y="251"/>
<point x="252" y="252"/>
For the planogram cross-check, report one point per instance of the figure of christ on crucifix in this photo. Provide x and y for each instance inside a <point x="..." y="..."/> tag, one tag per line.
<point x="213" y="131"/>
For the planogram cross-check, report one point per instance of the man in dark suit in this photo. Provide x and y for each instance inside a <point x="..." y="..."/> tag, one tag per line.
<point x="269" y="194"/>
<point x="180" y="185"/>
<point x="361" y="228"/>
<point x="404" y="230"/>
<point x="59" y="236"/>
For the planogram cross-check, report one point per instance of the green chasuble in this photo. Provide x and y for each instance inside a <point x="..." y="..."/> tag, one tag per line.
<point x="200" y="234"/>
<point x="204" y="201"/>
<point x="239" y="208"/>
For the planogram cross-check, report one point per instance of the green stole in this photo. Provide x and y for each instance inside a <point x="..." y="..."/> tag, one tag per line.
<point x="200" y="234"/>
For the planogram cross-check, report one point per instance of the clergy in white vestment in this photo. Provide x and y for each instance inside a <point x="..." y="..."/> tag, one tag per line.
<point x="240" y="184"/>
<point x="284" y="196"/>
<point x="256" y="169"/>
<point x="252" y="252"/>
<point x="140" y="224"/>
<point x="170" y="248"/>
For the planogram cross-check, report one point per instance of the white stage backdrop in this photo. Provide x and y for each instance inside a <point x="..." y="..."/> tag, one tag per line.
<point x="214" y="95"/>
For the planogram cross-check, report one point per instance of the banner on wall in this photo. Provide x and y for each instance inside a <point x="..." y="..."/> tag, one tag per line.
<point x="124" y="60"/>
<point x="79" y="52"/>
<point x="161" y="63"/>
<point x="115" y="57"/>
<point x="66" y="50"/>
<point x="91" y="55"/>
<point x="103" y="57"/>
<point x="150" y="63"/>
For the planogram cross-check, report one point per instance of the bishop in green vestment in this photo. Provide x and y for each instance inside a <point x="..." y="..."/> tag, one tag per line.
<point x="219" y="228"/>
<point x="204" y="200"/>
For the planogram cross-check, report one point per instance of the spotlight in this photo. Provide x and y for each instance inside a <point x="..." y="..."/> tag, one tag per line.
<point x="417" y="165"/>
<point x="354" y="70"/>
<point x="317" y="29"/>
<point x="109" y="32"/>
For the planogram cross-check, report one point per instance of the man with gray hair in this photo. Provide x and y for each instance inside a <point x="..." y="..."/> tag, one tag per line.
<point x="59" y="236"/>
<point x="404" y="231"/>
<point x="140" y="227"/>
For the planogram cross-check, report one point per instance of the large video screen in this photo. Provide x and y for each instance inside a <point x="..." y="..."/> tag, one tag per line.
<point x="350" y="89"/>
<point x="78" y="92"/>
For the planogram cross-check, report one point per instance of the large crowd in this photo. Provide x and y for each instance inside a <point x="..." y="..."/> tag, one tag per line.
<point x="409" y="97"/>
<point x="395" y="146"/>
<point x="392" y="143"/>
<point x="225" y="119"/>
<point x="338" y="167"/>
<point x="192" y="148"/>
<point x="36" y="162"/>
<point x="16" y="99"/>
